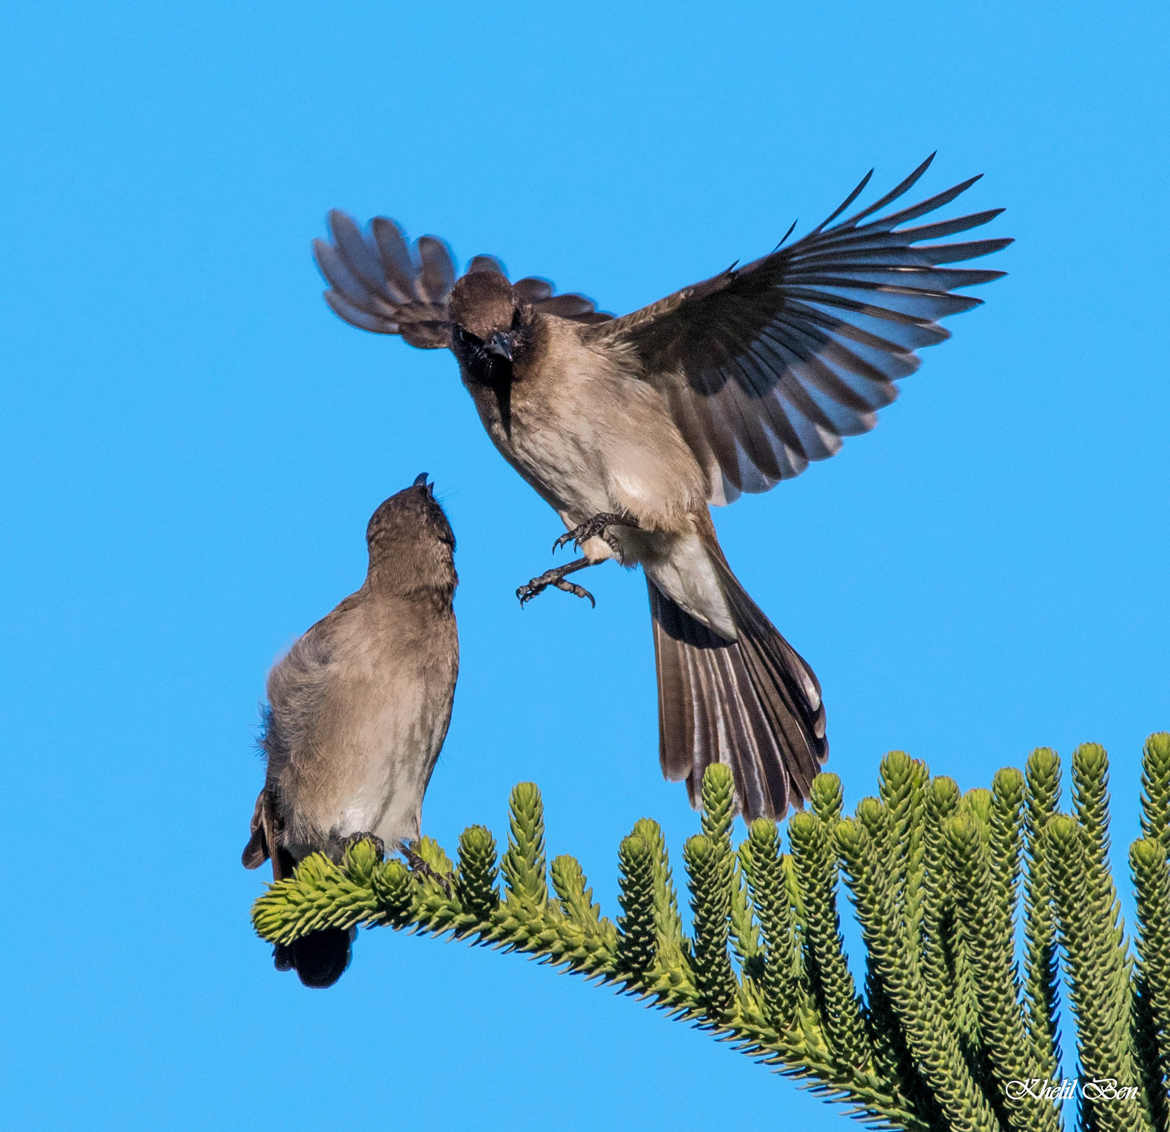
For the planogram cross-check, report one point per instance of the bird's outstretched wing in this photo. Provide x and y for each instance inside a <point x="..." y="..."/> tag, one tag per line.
<point x="767" y="366"/>
<point x="380" y="283"/>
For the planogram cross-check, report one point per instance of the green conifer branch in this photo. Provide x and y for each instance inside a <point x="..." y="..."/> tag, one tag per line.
<point x="983" y="863"/>
<point x="902" y="787"/>
<point x="975" y="806"/>
<point x="1041" y="965"/>
<point x="523" y="863"/>
<point x="475" y="878"/>
<point x="708" y="866"/>
<point x="666" y="915"/>
<point x="937" y="926"/>
<point x="946" y="1023"/>
<point x="891" y="1050"/>
<point x="637" y="930"/>
<point x="574" y="893"/>
<point x="1149" y="859"/>
<point x="833" y="989"/>
<point x="1090" y="775"/>
<point x="1151" y="992"/>
<point x="930" y="1036"/>
<point x="1156" y="789"/>
<point x="1096" y="972"/>
<point x="779" y="972"/>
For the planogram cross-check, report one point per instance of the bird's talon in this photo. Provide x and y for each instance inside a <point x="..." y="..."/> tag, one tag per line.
<point x="420" y="866"/>
<point x="555" y="577"/>
<point x="354" y="838"/>
<point x="575" y="590"/>
<point x="597" y="527"/>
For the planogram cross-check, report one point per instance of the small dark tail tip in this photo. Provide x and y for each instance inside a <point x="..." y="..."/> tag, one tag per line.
<point x="320" y="959"/>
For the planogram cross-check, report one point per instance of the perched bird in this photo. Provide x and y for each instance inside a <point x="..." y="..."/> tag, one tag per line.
<point x="631" y="427"/>
<point x="357" y="713"/>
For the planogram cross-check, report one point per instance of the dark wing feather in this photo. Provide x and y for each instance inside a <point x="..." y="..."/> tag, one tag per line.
<point x="259" y="847"/>
<point x="379" y="282"/>
<point x="766" y="367"/>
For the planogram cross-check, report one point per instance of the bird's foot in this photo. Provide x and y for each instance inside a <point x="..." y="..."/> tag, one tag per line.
<point x="417" y="865"/>
<point x="556" y="578"/>
<point x="353" y="838"/>
<point x="597" y="527"/>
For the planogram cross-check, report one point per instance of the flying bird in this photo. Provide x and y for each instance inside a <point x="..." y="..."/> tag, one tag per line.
<point x="631" y="427"/>
<point x="357" y="713"/>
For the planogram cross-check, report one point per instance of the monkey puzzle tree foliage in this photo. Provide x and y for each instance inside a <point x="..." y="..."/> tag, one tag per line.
<point x="948" y="1018"/>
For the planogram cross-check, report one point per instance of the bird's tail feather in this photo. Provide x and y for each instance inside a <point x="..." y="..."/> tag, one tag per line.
<point x="752" y="703"/>
<point x="319" y="958"/>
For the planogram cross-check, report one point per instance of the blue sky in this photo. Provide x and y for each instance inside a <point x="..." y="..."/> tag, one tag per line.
<point x="192" y="443"/>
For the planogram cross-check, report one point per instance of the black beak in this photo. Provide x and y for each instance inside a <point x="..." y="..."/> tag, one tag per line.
<point x="501" y="344"/>
<point x="420" y="480"/>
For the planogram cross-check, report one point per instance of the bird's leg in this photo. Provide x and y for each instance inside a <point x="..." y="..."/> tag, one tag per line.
<point x="418" y="865"/>
<point x="350" y="841"/>
<point x="556" y="577"/>
<point x="598" y="525"/>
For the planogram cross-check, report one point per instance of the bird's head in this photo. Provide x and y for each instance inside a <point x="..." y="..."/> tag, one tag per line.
<point x="489" y="323"/>
<point x="411" y="542"/>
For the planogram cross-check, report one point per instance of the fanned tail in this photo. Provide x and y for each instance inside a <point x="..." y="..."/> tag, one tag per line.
<point x="752" y="704"/>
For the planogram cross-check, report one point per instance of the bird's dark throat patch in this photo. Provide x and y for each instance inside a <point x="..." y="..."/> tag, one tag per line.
<point x="497" y="374"/>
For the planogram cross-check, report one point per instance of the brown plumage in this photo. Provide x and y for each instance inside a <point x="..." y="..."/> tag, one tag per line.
<point x="357" y="713"/>
<point x="631" y="427"/>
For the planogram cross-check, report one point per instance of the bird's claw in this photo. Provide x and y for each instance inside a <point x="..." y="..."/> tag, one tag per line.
<point x="352" y="839"/>
<point x="420" y="866"/>
<point x="596" y="527"/>
<point x="554" y="577"/>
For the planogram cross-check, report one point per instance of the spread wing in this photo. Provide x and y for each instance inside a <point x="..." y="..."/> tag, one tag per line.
<point x="768" y="366"/>
<point x="380" y="283"/>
